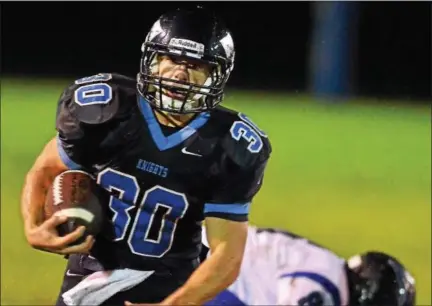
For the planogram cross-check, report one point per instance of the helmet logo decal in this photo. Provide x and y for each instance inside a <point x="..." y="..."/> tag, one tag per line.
<point x="228" y="45"/>
<point x="189" y="45"/>
<point x="409" y="278"/>
<point x="155" y="31"/>
<point x="354" y="262"/>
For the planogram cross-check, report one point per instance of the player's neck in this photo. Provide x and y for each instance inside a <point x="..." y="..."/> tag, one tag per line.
<point x="173" y="120"/>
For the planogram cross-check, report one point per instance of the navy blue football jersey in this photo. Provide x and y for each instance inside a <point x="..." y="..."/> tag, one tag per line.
<point x="161" y="181"/>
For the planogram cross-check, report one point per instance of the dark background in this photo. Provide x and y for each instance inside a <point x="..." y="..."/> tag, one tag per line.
<point x="392" y="57"/>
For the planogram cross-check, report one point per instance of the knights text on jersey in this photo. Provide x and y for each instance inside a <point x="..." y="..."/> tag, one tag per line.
<point x="162" y="181"/>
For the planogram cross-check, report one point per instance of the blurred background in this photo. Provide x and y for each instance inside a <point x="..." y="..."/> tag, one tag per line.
<point x="342" y="88"/>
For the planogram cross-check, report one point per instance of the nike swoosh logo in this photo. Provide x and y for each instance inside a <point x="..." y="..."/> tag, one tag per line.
<point x="68" y="273"/>
<point x="184" y="151"/>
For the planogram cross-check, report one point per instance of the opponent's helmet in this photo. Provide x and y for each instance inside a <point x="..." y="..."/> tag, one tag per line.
<point x="196" y="34"/>
<point x="379" y="279"/>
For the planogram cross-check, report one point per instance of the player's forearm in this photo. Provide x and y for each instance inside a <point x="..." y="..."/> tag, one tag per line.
<point x="37" y="182"/>
<point x="216" y="273"/>
<point x="33" y="196"/>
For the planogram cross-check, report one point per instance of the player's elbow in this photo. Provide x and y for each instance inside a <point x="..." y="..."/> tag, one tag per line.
<point x="230" y="261"/>
<point x="38" y="175"/>
<point x="33" y="176"/>
<point x="46" y="167"/>
<point x="232" y="275"/>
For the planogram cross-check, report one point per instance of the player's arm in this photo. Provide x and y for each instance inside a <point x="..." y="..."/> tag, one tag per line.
<point x="226" y="223"/>
<point x="227" y="241"/>
<point x="40" y="233"/>
<point x="37" y="182"/>
<point x="68" y="150"/>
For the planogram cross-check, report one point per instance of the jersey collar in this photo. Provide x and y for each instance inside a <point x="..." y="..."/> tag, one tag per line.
<point x="162" y="142"/>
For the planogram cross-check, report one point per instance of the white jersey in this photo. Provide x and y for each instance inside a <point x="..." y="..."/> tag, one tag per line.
<point x="280" y="269"/>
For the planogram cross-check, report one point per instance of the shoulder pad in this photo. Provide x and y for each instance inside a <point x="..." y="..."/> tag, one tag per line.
<point x="245" y="143"/>
<point x="99" y="98"/>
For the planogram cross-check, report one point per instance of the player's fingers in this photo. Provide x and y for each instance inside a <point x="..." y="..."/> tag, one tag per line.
<point x="89" y="243"/>
<point x="54" y="221"/>
<point x="71" y="237"/>
<point x="84" y="247"/>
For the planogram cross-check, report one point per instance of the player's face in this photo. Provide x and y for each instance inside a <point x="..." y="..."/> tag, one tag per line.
<point x="181" y="69"/>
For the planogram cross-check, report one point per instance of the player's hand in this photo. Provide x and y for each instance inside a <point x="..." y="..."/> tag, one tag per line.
<point x="45" y="237"/>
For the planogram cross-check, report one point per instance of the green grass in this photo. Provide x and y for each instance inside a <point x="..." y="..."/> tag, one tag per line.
<point x="352" y="177"/>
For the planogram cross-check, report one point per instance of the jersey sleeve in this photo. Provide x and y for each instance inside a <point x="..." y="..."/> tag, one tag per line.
<point x="84" y="113"/>
<point x="240" y="179"/>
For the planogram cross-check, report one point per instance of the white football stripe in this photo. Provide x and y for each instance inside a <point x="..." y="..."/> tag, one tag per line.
<point x="76" y="213"/>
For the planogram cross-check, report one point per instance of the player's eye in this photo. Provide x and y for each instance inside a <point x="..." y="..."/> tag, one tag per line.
<point x="190" y="64"/>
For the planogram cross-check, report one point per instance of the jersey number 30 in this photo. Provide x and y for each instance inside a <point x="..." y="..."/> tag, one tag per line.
<point x="155" y="222"/>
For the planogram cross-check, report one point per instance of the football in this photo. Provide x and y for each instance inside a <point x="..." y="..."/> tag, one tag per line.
<point x="75" y="194"/>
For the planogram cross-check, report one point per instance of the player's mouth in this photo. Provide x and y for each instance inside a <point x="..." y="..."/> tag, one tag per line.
<point x="175" y="90"/>
<point x="174" y="94"/>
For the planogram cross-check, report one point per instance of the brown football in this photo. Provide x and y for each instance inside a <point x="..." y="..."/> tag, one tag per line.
<point x="74" y="193"/>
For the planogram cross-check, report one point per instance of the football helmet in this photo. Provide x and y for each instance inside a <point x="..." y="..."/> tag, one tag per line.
<point x="379" y="279"/>
<point x="192" y="34"/>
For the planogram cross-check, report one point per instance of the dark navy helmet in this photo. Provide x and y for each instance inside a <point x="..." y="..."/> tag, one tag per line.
<point x="195" y="35"/>
<point x="379" y="279"/>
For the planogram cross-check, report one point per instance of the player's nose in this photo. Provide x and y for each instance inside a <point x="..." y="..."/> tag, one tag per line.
<point x="181" y="76"/>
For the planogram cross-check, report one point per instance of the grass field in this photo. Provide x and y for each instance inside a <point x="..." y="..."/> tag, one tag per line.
<point x="352" y="177"/>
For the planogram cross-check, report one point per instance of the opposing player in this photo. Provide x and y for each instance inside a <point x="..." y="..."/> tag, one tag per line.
<point x="169" y="156"/>
<point x="280" y="268"/>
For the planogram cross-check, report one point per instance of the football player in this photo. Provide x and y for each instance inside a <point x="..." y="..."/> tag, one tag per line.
<point x="170" y="157"/>
<point x="280" y="268"/>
